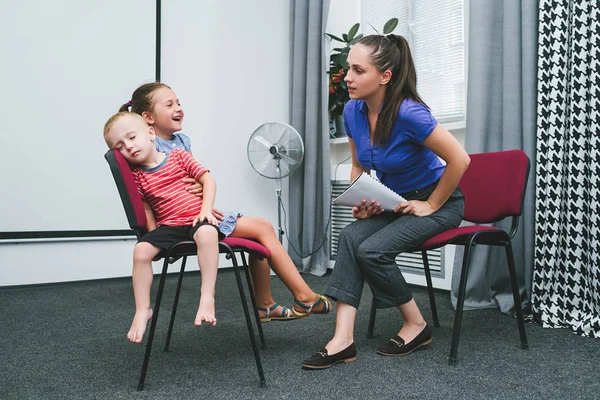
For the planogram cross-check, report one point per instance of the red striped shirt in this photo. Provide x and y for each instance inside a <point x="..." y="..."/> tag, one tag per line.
<point x="163" y="189"/>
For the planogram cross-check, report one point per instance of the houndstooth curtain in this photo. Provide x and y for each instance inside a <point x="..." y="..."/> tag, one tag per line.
<point x="566" y="284"/>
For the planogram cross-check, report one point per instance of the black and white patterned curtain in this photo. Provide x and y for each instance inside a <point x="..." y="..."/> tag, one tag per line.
<point x="566" y="282"/>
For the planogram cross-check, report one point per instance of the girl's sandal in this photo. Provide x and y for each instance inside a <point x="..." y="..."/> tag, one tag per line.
<point x="286" y="314"/>
<point x="310" y="309"/>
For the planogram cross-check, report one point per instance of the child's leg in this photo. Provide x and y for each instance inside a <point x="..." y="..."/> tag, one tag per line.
<point x="207" y="240"/>
<point x="142" y="275"/>
<point x="262" y="231"/>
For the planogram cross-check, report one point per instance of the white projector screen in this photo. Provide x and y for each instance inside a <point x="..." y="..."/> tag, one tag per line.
<point x="67" y="65"/>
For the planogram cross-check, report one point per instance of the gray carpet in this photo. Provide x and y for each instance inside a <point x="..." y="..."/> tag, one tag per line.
<point x="68" y="342"/>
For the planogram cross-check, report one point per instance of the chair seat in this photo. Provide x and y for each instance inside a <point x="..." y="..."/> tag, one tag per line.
<point x="448" y="236"/>
<point x="248" y="245"/>
<point x="188" y="248"/>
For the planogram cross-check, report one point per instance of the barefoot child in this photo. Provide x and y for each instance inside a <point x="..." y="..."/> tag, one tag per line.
<point x="160" y="107"/>
<point x="173" y="213"/>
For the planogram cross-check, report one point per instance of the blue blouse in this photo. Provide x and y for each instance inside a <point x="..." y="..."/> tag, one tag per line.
<point x="177" y="141"/>
<point x="403" y="164"/>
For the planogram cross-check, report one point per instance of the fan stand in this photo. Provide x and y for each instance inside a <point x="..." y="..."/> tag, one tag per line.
<point x="278" y="191"/>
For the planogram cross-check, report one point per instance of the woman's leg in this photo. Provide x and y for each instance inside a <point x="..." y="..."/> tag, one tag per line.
<point x="207" y="241"/>
<point x="141" y="276"/>
<point x="344" y="328"/>
<point x="377" y="255"/>
<point x="262" y="231"/>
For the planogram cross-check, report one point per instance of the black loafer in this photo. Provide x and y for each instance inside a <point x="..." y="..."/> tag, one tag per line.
<point x="321" y="359"/>
<point x="396" y="346"/>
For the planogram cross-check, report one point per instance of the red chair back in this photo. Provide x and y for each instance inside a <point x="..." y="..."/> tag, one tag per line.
<point x="494" y="185"/>
<point x="130" y="197"/>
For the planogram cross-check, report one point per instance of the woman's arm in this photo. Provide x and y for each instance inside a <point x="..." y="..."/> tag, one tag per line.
<point x="150" y="220"/>
<point x="445" y="146"/>
<point x="363" y="210"/>
<point x="357" y="169"/>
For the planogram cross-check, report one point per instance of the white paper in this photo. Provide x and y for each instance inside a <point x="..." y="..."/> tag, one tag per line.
<point x="366" y="187"/>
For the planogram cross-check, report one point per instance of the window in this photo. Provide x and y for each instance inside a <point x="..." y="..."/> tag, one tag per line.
<point x="435" y="31"/>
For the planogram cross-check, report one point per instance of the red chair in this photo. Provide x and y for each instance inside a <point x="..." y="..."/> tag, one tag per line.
<point x="136" y="216"/>
<point x="494" y="188"/>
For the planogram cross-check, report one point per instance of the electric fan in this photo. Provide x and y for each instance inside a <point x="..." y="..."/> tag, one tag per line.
<point x="275" y="150"/>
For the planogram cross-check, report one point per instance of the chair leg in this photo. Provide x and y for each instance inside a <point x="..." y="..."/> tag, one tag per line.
<point x="248" y="319"/>
<point x="460" y="303"/>
<point x="253" y="298"/>
<point x="159" y="293"/>
<point x="175" y="302"/>
<point x="517" y="298"/>
<point x="372" y="320"/>
<point x="434" y="312"/>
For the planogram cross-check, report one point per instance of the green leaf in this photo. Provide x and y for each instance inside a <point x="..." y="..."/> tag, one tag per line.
<point x="390" y="26"/>
<point x="338" y="49"/>
<point x="352" y="32"/>
<point x="343" y="85"/>
<point x="342" y="60"/>
<point x="356" y="39"/>
<point x="335" y="38"/>
<point x="345" y="37"/>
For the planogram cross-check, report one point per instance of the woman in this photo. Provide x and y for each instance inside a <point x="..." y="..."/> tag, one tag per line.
<point x="390" y="130"/>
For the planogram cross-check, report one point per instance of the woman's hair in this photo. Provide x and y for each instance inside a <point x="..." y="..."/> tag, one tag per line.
<point x="392" y="52"/>
<point x="141" y="99"/>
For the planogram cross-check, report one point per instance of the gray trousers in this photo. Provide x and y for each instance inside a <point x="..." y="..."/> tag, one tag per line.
<point x="367" y="249"/>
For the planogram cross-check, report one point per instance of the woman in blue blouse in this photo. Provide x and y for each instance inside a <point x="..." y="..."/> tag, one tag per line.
<point x="391" y="131"/>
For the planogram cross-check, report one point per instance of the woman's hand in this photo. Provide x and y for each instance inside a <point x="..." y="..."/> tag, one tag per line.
<point x="366" y="211"/>
<point x="195" y="186"/>
<point x="416" y="207"/>
<point x="205" y="215"/>
<point x="218" y="214"/>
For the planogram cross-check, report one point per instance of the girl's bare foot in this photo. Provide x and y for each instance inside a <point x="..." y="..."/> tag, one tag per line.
<point x="138" y="326"/>
<point x="206" y="311"/>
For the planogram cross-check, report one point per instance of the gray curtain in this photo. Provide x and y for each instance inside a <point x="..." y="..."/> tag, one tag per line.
<point x="310" y="184"/>
<point x="501" y="115"/>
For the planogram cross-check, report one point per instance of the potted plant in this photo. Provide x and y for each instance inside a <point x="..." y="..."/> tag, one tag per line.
<point x="338" y="67"/>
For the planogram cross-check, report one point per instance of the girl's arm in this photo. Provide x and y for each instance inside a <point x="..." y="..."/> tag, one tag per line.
<point x="150" y="220"/>
<point x="445" y="146"/>
<point x="210" y="191"/>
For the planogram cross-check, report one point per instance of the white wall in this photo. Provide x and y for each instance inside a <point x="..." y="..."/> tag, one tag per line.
<point x="229" y="63"/>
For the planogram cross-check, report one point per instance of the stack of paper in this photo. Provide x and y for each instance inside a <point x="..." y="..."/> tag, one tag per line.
<point x="366" y="187"/>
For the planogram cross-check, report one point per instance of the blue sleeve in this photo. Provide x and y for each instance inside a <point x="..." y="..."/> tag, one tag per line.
<point x="418" y="120"/>
<point x="187" y="143"/>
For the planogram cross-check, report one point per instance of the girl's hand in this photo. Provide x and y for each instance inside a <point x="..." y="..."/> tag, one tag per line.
<point x="205" y="215"/>
<point x="218" y="215"/>
<point x="363" y="210"/>
<point x="416" y="207"/>
<point x="195" y="186"/>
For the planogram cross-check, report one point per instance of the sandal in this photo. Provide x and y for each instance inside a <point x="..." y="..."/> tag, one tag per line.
<point x="309" y="309"/>
<point x="286" y="314"/>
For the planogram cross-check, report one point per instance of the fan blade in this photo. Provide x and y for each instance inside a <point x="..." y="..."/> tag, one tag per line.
<point x="286" y="158"/>
<point x="263" y="141"/>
